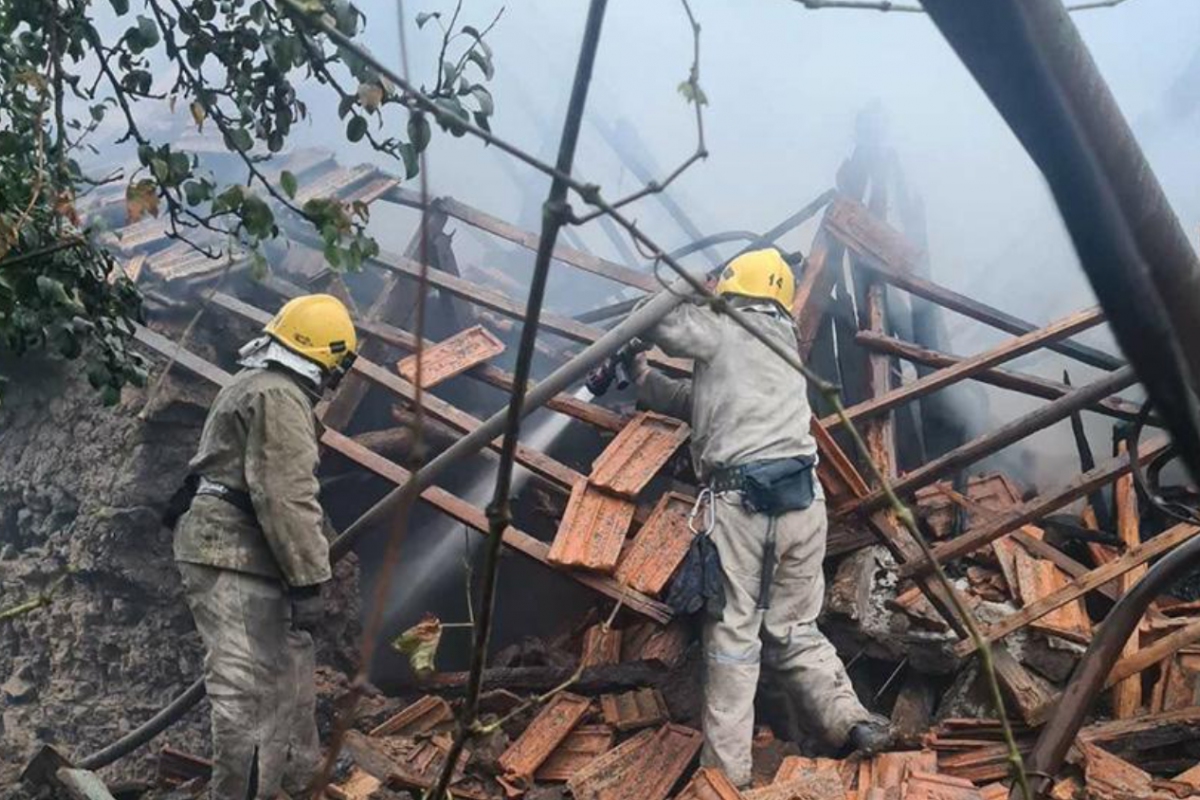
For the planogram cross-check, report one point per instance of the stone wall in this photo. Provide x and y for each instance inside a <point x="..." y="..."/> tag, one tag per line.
<point x="81" y="487"/>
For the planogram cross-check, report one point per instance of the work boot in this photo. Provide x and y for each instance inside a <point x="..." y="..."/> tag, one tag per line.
<point x="871" y="735"/>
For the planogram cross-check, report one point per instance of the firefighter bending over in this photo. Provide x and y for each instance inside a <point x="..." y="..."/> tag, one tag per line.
<point x="253" y="553"/>
<point x="765" y="512"/>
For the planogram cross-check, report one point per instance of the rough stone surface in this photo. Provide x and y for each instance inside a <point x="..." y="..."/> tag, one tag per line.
<point x="82" y="487"/>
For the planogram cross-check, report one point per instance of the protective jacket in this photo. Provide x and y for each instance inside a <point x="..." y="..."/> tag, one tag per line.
<point x="744" y="402"/>
<point x="260" y="438"/>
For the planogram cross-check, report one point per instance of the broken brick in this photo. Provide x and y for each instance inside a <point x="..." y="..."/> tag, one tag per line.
<point x="645" y="767"/>
<point x="640" y="450"/>
<point x="659" y="547"/>
<point x="632" y="710"/>
<point x="581" y="746"/>
<point x="420" y="717"/>
<point x="547" y="731"/>
<point x="451" y="356"/>
<point x="709" y="783"/>
<point x="593" y="529"/>
<point x="601" y="645"/>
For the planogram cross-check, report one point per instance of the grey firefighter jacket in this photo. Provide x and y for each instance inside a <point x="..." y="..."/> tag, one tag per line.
<point x="744" y="402"/>
<point x="261" y="438"/>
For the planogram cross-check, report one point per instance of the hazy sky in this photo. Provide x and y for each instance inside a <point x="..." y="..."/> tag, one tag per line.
<point x="784" y="85"/>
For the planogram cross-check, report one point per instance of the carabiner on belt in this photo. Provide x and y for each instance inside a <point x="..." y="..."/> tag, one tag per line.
<point x="707" y="499"/>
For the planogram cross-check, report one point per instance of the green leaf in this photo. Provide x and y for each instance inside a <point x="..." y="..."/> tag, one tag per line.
<point x="288" y="182"/>
<point x="239" y="139"/>
<point x="356" y="129"/>
<point x="425" y="16"/>
<point x="483" y="61"/>
<point x="693" y="93"/>
<point x="420" y="644"/>
<point x="121" y="7"/>
<point x="482" y="96"/>
<point x="418" y="131"/>
<point x="110" y="396"/>
<point x="148" y="32"/>
<point x="412" y="161"/>
<point x="455" y="110"/>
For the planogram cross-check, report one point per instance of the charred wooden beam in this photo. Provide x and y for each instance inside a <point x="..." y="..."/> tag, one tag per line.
<point x="888" y="255"/>
<point x="1004" y="436"/>
<point x="1002" y="378"/>
<point x="969" y="367"/>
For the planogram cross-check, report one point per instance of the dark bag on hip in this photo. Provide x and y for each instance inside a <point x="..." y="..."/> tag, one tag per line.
<point x="779" y="485"/>
<point x="697" y="582"/>
<point x="180" y="501"/>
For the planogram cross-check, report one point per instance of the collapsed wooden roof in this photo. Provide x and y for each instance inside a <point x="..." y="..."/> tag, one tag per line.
<point x="843" y="319"/>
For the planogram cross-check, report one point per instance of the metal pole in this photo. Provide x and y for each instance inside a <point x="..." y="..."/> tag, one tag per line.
<point x="1029" y="58"/>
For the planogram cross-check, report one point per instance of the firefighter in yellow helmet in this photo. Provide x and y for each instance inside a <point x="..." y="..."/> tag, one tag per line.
<point x="253" y="553"/>
<point x="764" y="512"/>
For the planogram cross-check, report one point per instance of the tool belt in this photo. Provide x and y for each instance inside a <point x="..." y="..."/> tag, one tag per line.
<point x="198" y="486"/>
<point x="772" y="487"/>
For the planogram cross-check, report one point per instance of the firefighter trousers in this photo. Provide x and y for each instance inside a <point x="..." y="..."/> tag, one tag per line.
<point x="783" y="638"/>
<point x="259" y="675"/>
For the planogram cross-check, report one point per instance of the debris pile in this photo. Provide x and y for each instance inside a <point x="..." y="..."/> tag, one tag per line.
<point x="609" y="710"/>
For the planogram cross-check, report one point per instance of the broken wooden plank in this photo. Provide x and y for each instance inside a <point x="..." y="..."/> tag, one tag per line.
<point x="1147" y="657"/>
<point x="1080" y="586"/>
<point x="1127" y="694"/>
<point x="579" y="749"/>
<point x="593" y="528"/>
<point x="176" y="767"/>
<point x="1038" y="579"/>
<point x="659" y="547"/>
<point x="968" y="367"/>
<point x="451" y="357"/>
<point x="913" y="709"/>
<point x="1109" y="777"/>
<point x="645" y="767"/>
<point x="632" y="710"/>
<point x="637" y="453"/>
<point x="1145" y="732"/>
<point x="601" y="646"/>
<point x="544" y="734"/>
<point x="421" y="716"/>
<point x="1032" y="510"/>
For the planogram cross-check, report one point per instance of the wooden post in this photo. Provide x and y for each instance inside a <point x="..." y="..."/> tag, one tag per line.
<point x="1127" y="694"/>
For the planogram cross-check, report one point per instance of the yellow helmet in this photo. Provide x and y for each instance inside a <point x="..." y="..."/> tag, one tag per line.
<point x="759" y="273"/>
<point x="316" y="326"/>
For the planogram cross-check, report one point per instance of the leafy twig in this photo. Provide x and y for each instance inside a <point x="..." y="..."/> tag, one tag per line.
<point x="42" y="598"/>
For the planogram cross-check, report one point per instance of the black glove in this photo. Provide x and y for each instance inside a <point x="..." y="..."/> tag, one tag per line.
<point x="308" y="607"/>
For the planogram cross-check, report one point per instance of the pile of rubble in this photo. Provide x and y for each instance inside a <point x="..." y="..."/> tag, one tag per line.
<point x="610" y="710"/>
